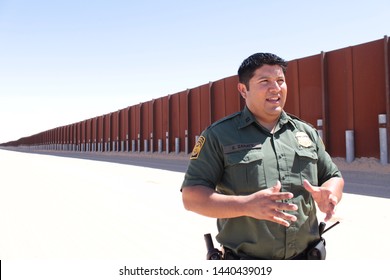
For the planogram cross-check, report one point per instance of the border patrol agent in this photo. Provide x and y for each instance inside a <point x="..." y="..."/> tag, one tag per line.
<point x="261" y="171"/>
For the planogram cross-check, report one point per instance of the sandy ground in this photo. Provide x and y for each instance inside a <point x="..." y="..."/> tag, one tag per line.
<point x="64" y="208"/>
<point x="363" y="164"/>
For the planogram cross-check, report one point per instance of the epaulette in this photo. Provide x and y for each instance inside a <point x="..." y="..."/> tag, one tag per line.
<point x="228" y="117"/>
<point x="296" y="118"/>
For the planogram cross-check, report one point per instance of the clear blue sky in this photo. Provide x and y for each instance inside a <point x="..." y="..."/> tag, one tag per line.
<point x="66" y="61"/>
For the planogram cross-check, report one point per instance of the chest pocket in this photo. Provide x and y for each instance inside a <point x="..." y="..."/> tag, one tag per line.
<point x="244" y="171"/>
<point x="305" y="164"/>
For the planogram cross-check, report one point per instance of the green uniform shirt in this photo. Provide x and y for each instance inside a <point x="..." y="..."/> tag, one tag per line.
<point x="237" y="156"/>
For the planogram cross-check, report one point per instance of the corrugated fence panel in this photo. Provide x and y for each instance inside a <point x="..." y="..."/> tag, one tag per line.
<point x="159" y="133"/>
<point x="218" y="100"/>
<point x="82" y="135"/>
<point x="115" y="130"/>
<point x="369" y="100"/>
<point x="310" y="89"/>
<point x="165" y="121"/>
<point x="94" y="134"/>
<point x="107" y="132"/>
<point x="138" y="127"/>
<point x="340" y="103"/>
<point x="100" y="133"/>
<point x="174" y="115"/>
<point x="234" y="102"/>
<point x="133" y="128"/>
<point x="123" y="129"/>
<point x="194" y="108"/>
<point x="205" y="105"/>
<point x="292" y="78"/>
<point x="145" y="129"/>
<point x="183" y="119"/>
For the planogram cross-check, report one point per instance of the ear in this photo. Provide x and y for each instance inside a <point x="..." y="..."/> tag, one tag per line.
<point x="242" y="89"/>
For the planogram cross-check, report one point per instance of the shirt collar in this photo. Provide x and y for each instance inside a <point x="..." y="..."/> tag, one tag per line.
<point x="247" y="118"/>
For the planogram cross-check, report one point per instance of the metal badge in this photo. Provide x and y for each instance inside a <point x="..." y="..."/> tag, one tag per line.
<point x="303" y="139"/>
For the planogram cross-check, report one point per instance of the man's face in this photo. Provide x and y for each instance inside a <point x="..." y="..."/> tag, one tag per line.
<point x="267" y="93"/>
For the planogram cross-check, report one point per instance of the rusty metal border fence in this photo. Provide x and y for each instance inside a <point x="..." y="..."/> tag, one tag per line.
<point x="342" y="92"/>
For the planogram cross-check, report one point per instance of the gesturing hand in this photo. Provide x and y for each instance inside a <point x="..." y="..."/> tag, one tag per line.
<point x="267" y="205"/>
<point x="324" y="198"/>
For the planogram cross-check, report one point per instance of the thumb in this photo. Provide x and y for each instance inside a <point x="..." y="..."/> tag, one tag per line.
<point x="277" y="187"/>
<point x="308" y="186"/>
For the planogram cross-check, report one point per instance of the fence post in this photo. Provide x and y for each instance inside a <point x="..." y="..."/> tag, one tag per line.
<point x="350" y="145"/>
<point x="383" y="138"/>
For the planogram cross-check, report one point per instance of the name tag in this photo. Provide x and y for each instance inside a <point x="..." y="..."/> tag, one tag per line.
<point x="241" y="146"/>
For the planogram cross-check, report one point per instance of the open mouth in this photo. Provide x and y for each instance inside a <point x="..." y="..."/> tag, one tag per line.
<point x="273" y="99"/>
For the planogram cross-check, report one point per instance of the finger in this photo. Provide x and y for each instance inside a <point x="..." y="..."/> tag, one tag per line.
<point x="286" y="206"/>
<point x="330" y="211"/>
<point x="283" y="218"/>
<point x="281" y="196"/>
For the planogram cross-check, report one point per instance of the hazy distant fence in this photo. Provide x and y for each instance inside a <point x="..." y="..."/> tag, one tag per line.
<point x="344" y="93"/>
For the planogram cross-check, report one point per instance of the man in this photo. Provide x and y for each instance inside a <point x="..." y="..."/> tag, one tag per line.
<point x="260" y="171"/>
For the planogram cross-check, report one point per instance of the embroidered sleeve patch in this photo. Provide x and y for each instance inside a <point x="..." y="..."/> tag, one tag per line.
<point x="198" y="147"/>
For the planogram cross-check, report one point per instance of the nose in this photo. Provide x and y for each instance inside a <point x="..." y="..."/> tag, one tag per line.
<point x="274" y="87"/>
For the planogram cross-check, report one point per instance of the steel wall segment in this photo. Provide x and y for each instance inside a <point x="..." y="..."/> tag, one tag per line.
<point x="149" y="120"/>
<point x="94" y="126"/>
<point x="205" y="106"/>
<point x="158" y="122"/>
<point x="60" y="136"/>
<point x="310" y="89"/>
<point x="183" y="127"/>
<point x="340" y="96"/>
<point x="387" y="92"/>
<point x="79" y="136"/>
<point x="68" y="135"/>
<point x="63" y="135"/>
<point x="369" y="96"/>
<point x="100" y="131"/>
<point x="138" y="127"/>
<point x="194" y="107"/>
<point x="127" y="127"/>
<point x="174" y="123"/>
<point x="233" y="100"/>
<point x="68" y="129"/>
<point x="144" y="124"/>
<point x="107" y="132"/>
<point x="83" y="130"/>
<point x="165" y="120"/>
<point x="123" y="128"/>
<point x="74" y="137"/>
<point x="133" y="126"/>
<point x="218" y="100"/>
<point x="292" y="79"/>
<point x="89" y="134"/>
<point x="115" y="130"/>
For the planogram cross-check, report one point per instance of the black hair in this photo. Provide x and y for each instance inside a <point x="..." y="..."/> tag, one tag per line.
<point x="255" y="61"/>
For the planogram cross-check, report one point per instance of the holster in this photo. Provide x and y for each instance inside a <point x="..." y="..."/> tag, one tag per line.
<point x="317" y="250"/>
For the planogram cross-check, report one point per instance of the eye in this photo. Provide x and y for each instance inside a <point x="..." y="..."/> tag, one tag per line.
<point x="281" y="81"/>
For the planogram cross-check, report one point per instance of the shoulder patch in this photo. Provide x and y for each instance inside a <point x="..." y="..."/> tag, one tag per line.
<point x="198" y="147"/>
